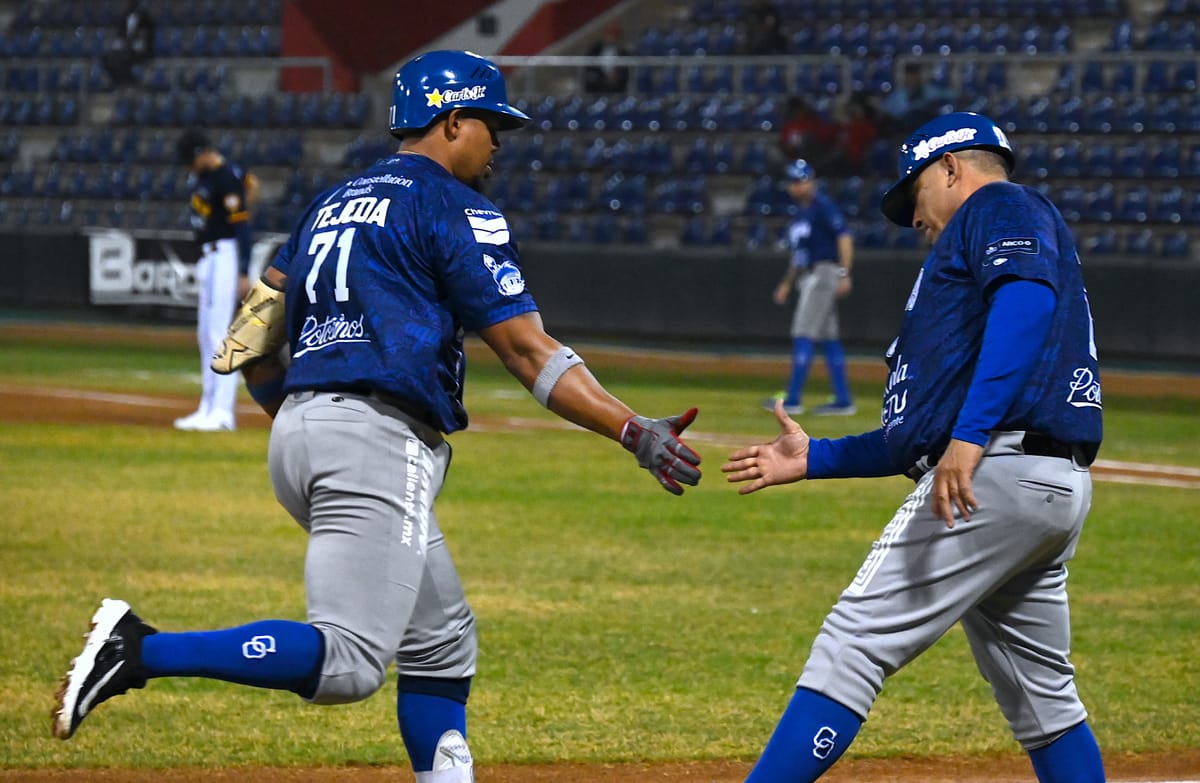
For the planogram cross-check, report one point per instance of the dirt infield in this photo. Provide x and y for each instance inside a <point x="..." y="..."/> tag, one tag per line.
<point x="74" y="406"/>
<point x="1182" y="766"/>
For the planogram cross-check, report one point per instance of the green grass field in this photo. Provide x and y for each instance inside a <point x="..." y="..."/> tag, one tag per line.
<point x="617" y="622"/>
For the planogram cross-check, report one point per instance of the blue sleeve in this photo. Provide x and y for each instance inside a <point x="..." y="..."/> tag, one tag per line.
<point x="854" y="456"/>
<point x="1013" y="340"/>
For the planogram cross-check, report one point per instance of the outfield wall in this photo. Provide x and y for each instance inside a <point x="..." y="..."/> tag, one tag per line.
<point x="1145" y="309"/>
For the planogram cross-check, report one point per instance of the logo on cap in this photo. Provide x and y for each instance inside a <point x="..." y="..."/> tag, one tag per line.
<point x="929" y="146"/>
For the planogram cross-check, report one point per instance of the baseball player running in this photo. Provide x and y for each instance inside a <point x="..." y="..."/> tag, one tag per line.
<point x="221" y="220"/>
<point x="819" y="269"/>
<point x="992" y="405"/>
<point x="381" y="278"/>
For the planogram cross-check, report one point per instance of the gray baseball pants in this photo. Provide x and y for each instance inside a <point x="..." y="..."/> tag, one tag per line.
<point x="1002" y="574"/>
<point x="361" y="477"/>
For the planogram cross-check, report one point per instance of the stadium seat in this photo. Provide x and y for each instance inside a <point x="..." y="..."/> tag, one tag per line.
<point x="1135" y="205"/>
<point x="1166" y="160"/>
<point x="1100" y="203"/>
<point x="1177" y="244"/>
<point x="1070" y="202"/>
<point x="1169" y="206"/>
<point x="1103" y="243"/>
<point x="1139" y="243"/>
<point x="1130" y="160"/>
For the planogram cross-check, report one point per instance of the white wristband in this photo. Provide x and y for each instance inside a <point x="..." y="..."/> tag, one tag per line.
<point x="562" y="360"/>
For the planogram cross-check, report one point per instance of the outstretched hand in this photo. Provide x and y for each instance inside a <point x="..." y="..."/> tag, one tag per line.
<point x="656" y="444"/>
<point x="781" y="461"/>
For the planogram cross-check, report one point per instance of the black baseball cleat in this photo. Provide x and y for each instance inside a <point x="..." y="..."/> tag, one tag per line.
<point x="110" y="664"/>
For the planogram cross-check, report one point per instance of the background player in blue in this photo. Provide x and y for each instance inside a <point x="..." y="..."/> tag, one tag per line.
<point x="992" y="405"/>
<point x="822" y="255"/>
<point x="383" y="275"/>
<point x="220" y="201"/>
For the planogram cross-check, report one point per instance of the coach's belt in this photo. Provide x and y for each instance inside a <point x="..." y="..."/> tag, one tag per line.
<point x="1035" y="444"/>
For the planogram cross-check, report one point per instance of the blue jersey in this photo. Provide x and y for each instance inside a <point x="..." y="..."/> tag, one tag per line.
<point x="1004" y="231"/>
<point x="813" y="231"/>
<point x="385" y="273"/>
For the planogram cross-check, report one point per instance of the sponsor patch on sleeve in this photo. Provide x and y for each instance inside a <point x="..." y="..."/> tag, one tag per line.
<point x="490" y="228"/>
<point x="1014" y="245"/>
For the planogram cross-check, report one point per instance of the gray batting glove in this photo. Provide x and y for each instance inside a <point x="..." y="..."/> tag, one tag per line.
<point x="656" y="444"/>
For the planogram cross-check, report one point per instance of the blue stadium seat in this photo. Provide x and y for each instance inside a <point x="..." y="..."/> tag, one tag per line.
<point x="1177" y="244"/>
<point x="1100" y="159"/>
<point x="1103" y="243"/>
<point x="1135" y="205"/>
<point x="1035" y="159"/>
<point x="1184" y="78"/>
<point x="1157" y="77"/>
<point x="694" y="232"/>
<point x="1169" y="206"/>
<point x="756" y="235"/>
<point x="1070" y="202"/>
<point x="1068" y="159"/>
<point x="1166" y="160"/>
<point x="1139" y="243"/>
<point x="603" y="230"/>
<point x="722" y="233"/>
<point x="1122" y="37"/>
<point x="634" y="231"/>
<point x="1130" y="160"/>
<point x="1100" y="203"/>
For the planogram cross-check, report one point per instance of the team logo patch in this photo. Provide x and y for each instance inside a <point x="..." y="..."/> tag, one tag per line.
<point x="823" y="742"/>
<point x="232" y="203"/>
<point x="490" y="227"/>
<point x="1008" y="245"/>
<point x="507" y="275"/>
<point x="258" y="647"/>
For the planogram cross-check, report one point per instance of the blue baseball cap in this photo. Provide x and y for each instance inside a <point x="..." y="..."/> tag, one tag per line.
<point x="960" y="130"/>
<point x="800" y="170"/>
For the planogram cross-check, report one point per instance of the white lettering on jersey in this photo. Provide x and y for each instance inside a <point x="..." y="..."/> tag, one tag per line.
<point x="490" y="228"/>
<point x="316" y="335"/>
<point x="367" y="209"/>
<point x="1028" y="245"/>
<point x="1084" y="389"/>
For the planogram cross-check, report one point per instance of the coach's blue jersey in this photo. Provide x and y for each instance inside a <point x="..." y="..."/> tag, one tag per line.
<point x="385" y="273"/>
<point x="813" y="231"/>
<point x="1003" y="231"/>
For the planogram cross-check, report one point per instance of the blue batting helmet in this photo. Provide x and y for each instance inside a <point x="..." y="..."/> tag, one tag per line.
<point x="960" y="130"/>
<point x="436" y="82"/>
<point x="800" y="170"/>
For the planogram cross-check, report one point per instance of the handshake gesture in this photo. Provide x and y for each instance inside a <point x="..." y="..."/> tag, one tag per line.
<point x="656" y="444"/>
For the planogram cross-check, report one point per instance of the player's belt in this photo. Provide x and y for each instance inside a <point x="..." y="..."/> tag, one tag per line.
<point x="1034" y="444"/>
<point x="424" y="428"/>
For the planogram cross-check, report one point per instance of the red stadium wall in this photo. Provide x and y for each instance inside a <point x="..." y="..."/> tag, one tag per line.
<point x="361" y="37"/>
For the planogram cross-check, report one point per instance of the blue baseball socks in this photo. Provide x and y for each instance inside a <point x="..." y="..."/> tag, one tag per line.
<point x="278" y="654"/>
<point x="802" y="354"/>
<point x="813" y="733"/>
<point x="1072" y="758"/>
<point x="835" y="360"/>
<point x="432" y="713"/>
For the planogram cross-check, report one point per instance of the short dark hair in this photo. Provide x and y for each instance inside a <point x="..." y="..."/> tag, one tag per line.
<point x="191" y="144"/>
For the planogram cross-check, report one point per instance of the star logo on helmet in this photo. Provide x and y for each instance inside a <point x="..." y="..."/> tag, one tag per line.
<point x="434" y="99"/>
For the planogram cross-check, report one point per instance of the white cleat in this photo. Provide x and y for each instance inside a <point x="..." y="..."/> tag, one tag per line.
<point x="212" y="422"/>
<point x="452" y="762"/>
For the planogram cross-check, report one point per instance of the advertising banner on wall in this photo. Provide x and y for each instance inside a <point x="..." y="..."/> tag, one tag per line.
<point x="155" y="268"/>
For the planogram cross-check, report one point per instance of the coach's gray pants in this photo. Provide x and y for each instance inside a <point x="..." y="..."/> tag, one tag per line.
<point x="1003" y="574"/>
<point x="361" y="477"/>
